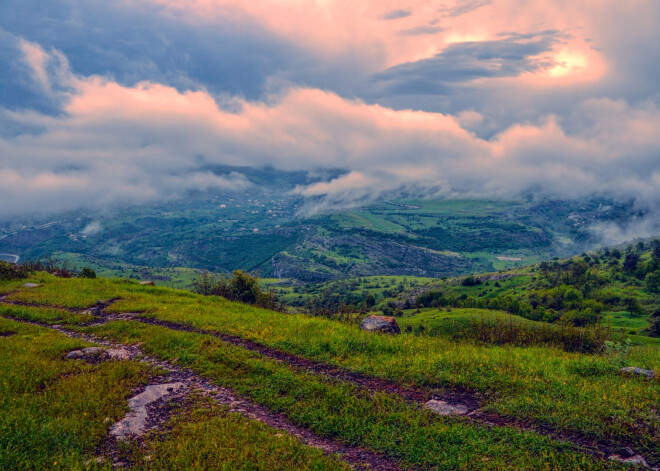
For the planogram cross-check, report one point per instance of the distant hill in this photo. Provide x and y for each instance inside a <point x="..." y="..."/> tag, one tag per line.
<point x="266" y="228"/>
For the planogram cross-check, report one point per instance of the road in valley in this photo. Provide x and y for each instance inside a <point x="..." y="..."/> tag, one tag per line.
<point x="10" y="257"/>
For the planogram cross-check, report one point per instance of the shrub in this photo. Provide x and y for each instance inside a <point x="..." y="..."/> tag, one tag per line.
<point x="654" y="328"/>
<point x="9" y="271"/>
<point x="87" y="272"/>
<point x="569" y="338"/>
<point x="242" y="287"/>
<point x="617" y="352"/>
<point x="471" y="281"/>
<point x="652" y="282"/>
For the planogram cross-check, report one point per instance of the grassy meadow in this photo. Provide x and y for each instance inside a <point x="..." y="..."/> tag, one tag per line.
<point x="581" y="394"/>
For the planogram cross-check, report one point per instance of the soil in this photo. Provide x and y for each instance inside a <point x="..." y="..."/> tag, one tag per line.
<point x="158" y="413"/>
<point x="471" y="401"/>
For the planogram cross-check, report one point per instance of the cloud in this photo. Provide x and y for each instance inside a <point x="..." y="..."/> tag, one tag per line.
<point x="92" y="228"/>
<point x="396" y="14"/>
<point x="107" y="103"/>
<point x="421" y="30"/>
<point x="465" y="7"/>
<point x="468" y="61"/>
<point x="113" y="143"/>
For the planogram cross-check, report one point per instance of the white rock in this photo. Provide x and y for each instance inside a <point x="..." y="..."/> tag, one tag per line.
<point x="445" y="408"/>
<point x="135" y="422"/>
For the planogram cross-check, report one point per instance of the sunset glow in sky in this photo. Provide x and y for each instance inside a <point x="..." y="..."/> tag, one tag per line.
<point x="129" y="101"/>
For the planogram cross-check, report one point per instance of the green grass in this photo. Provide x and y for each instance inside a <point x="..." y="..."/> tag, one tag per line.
<point x="335" y="409"/>
<point x="543" y="385"/>
<point x="53" y="412"/>
<point x="452" y="322"/>
<point x="47" y="316"/>
<point x="177" y="277"/>
<point x="203" y="435"/>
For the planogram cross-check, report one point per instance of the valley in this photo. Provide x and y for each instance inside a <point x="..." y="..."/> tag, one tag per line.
<point x="268" y="229"/>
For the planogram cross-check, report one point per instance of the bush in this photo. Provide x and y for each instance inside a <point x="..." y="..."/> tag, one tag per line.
<point x="652" y="282"/>
<point x="568" y="338"/>
<point x="242" y="287"/>
<point x="87" y="273"/>
<point x="471" y="281"/>
<point x="654" y="328"/>
<point x="617" y="352"/>
<point x="581" y="318"/>
<point x="9" y="271"/>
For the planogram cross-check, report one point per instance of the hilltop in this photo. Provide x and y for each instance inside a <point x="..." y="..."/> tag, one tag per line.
<point x="618" y="288"/>
<point x="225" y="382"/>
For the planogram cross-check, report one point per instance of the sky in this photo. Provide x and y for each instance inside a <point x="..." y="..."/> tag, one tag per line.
<point x="128" y="101"/>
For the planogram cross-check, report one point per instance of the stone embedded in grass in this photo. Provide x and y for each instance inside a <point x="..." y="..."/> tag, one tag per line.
<point x="135" y="422"/>
<point x="380" y="324"/>
<point x="87" y="354"/>
<point x="31" y="285"/>
<point x="638" y="371"/>
<point x="445" y="408"/>
<point x="636" y="460"/>
<point x="98" y="354"/>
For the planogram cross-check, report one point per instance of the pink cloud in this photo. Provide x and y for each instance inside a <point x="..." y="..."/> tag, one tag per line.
<point x="335" y="27"/>
<point x="135" y="143"/>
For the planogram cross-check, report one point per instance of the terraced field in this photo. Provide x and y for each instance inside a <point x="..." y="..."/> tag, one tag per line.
<point x="211" y="384"/>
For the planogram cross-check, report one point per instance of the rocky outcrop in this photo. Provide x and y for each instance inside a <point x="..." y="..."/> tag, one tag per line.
<point x="380" y="324"/>
<point x="631" y="370"/>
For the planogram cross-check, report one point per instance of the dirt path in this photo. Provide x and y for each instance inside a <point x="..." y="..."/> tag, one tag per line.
<point x="467" y="403"/>
<point x="183" y="381"/>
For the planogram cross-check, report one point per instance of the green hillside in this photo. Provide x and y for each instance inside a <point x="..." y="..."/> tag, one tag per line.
<point x="264" y="389"/>
<point x="269" y="229"/>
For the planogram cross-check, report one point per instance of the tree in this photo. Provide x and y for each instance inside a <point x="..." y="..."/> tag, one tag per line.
<point x="630" y="262"/>
<point x="633" y="306"/>
<point x="87" y="272"/>
<point x="654" y="328"/>
<point x="656" y="249"/>
<point x="652" y="282"/>
<point x="471" y="281"/>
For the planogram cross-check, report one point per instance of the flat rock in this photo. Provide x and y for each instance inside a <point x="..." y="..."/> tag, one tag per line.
<point x="118" y="354"/>
<point x="147" y="283"/>
<point x="380" y="324"/>
<point x="98" y="354"/>
<point x="445" y="408"/>
<point x="636" y="460"/>
<point x="135" y="422"/>
<point x="638" y="371"/>
<point x="89" y="353"/>
<point x="31" y="285"/>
